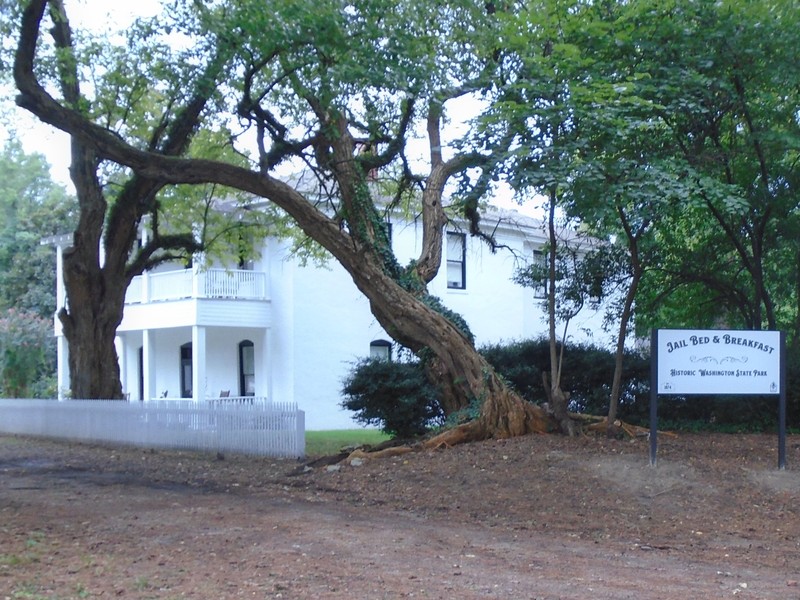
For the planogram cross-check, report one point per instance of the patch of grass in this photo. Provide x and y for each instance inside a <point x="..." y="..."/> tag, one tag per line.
<point x="10" y="440"/>
<point x="142" y="584"/>
<point x="30" y="555"/>
<point x="10" y="560"/>
<point x="321" y="443"/>
<point x="15" y="560"/>
<point x="28" y="591"/>
<point x="35" y="538"/>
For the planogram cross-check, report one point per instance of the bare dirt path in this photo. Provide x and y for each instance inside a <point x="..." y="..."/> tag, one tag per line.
<point x="538" y="517"/>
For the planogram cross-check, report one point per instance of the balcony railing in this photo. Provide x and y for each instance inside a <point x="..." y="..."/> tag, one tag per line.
<point x="193" y="283"/>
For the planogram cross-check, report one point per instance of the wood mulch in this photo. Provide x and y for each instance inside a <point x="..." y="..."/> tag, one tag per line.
<point x="541" y="516"/>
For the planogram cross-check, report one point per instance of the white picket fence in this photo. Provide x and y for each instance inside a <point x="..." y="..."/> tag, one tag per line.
<point x="241" y="425"/>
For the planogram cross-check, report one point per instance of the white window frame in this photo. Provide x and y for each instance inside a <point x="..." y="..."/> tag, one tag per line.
<point x="456" y="260"/>
<point x="380" y="350"/>
<point x="539" y="258"/>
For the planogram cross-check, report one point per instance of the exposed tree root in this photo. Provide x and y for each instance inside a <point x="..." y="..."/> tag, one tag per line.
<point x="522" y="419"/>
<point x="452" y="437"/>
<point x="394" y="451"/>
<point x="537" y="422"/>
<point x="600" y="424"/>
<point x="532" y="419"/>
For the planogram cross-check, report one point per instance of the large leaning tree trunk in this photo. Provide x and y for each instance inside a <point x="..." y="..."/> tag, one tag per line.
<point x="352" y="231"/>
<point x="400" y="302"/>
<point x="416" y="325"/>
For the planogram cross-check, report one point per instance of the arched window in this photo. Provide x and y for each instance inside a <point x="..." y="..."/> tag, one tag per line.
<point x="380" y="350"/>
<point x="247" y="368"/>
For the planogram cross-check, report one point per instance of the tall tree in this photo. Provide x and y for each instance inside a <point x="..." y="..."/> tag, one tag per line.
<point x="531" y="126"/>
<point x="573" y="126"/>
<point x="649" y="115"/>
<point x="726" y="80"/>
<point x="335" y="86"/>
<point x="32" y="207"/>
<point x="161" y="108"/>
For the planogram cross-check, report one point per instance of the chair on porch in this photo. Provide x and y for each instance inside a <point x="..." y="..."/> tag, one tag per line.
<point x="222" y="394"/>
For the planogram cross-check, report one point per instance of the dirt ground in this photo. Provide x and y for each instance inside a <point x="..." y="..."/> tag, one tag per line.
<point x="541" y="517"/>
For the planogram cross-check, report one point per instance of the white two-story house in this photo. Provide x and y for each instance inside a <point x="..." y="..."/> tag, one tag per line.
<point x="287" y="332"/>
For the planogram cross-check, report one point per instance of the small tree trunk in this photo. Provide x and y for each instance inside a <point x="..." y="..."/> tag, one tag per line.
<point x="627" y="310"/>
<point x="559" y="401"/>
<point x="616" y="384"/>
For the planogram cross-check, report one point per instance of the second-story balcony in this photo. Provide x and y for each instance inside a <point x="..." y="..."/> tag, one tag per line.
<point x="197" y="283"/>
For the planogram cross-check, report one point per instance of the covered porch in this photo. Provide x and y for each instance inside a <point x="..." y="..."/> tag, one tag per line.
<point x="191" y="333"/>
<point x="195" y="362"/>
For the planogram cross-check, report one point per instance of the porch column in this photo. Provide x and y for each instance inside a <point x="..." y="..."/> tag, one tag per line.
<point x="62" y="364"/>
<point x="264" y="369"/>
<point x="148" y="365"/>
<point x="61" y="292"/>
<point x="122" y="358"/>
<point x="199" y="379"/>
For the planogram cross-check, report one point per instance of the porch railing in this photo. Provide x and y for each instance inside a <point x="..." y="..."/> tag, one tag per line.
<point x="194" y="283"/>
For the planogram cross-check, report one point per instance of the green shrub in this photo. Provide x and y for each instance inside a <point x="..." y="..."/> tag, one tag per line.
<point x="397" y="397"/>
<point x="726" y="414"/>
<point x="793" y="390"/>
<point x="394" y="396"/>
<point x="587" y="374"/>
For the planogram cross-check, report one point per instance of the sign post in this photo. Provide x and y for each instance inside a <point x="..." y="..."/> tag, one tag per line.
<point x="713" y="362"/>
<point x="653" y="396"/>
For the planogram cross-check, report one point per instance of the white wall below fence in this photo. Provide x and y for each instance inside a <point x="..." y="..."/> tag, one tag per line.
<point x="246" y="426"/>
